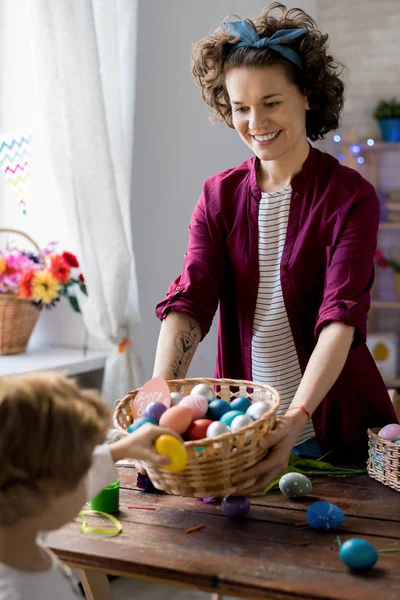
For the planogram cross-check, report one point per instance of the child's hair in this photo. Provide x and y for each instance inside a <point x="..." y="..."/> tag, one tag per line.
<point x="318" y="80"/>
<point x="48" y="430"/>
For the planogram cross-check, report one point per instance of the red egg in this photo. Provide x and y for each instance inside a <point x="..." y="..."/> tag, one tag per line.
<point x="198" y="429"/>
<point x="177" y="418"/>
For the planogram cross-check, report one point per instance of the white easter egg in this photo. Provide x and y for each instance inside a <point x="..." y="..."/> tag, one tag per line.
<point x="257" y="410"/>
<point x="217" y="428"/>
<point x="176" y="397"/>
<point x="241" y="421"/>
<point x="203" y="390"/>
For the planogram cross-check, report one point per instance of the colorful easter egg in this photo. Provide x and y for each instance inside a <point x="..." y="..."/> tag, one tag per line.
<point x="176" y="397"/>
<point x="175" y="450"/>
<point x="216" y="409"/>
<point x="198" y="429"/>
<point x="203" y="390"/>
<point x="197" y="404"/>
<point x="390" y="432"/>
<point x="241" y="404"/>
<point x="258" y="409"/>
<point x="228" y="417"/>
<point x="358" y="554"/>
<point x="324" y="515"/>
<point x="236" y="507"/>
<point x="139" y="422"/>
<point x="217" y="428"/>
<point x="177" y="418"/>
<point x="295" y="485"/>
<point x="154" y="410"/>
<point x="241" y="421"/>
<point x="154" y="390"/>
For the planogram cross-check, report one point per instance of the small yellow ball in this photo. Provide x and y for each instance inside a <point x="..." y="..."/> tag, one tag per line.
<point x="175" y="450"/>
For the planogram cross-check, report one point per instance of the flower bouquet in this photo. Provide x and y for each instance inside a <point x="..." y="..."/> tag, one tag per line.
<point x="29" y="282"/>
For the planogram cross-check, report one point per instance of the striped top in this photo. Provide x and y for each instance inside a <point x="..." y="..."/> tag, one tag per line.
<point x="273" y="353"/>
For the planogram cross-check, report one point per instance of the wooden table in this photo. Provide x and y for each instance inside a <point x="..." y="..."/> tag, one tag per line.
<point x="261" y="556"/>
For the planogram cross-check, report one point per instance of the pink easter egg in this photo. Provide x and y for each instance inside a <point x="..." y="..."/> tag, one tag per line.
<point x="390" y="432"/>
<point x="197" y="404"/>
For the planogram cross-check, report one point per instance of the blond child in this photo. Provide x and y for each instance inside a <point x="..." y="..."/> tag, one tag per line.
<point x="52" y="460"/>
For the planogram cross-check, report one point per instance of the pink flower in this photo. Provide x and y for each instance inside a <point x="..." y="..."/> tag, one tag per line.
<point x="380" y="259"/>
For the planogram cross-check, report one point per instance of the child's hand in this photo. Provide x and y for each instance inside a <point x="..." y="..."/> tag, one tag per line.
<point x="139" y="445"/>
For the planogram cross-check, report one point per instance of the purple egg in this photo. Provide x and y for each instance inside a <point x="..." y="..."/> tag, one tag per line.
<point x="154" y="410"/>
<point x="236" y="506"/>
<point x="390" y="432"/>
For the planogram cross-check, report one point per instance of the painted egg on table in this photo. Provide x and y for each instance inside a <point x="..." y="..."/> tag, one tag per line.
<point x="241" y="421"/>
<point x="241" y="404"/>
<point x="139" y="422"/>
<point x="236" y="507"/>
<point x="295" y="485"/>
<point x="358" y="554"/>
<point x="176" y="397"/>
<point x="217" y="428"/>
<point x="228" y="417"/>
<point x="203" y="390"/>
<point x="324" y="515"/>
<point x="175" y="450"/>
<point x="177" y="418"/>
<point x="154" y="410"/>
<point x="390" y="432"/>
<point x="257" y="410"/>
<point x="198" y="429"/>
<point x="216" y="409"/>
<point x="197" y="404"/>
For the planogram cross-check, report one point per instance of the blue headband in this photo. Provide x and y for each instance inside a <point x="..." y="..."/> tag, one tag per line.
<point x="250" y="38"/>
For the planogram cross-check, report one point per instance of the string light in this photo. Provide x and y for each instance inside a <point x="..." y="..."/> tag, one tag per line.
<point x="341" y="157"/>
<point x="370" y="142"/>
<point x="355" y="149"/>
<point x="337" y="138"/>
<point x="360" y="160"/>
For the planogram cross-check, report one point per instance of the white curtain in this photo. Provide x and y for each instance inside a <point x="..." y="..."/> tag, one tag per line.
<point x="84" y="63"/>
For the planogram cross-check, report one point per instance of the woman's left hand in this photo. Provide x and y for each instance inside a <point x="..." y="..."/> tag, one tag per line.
<point x="280" y="441"/>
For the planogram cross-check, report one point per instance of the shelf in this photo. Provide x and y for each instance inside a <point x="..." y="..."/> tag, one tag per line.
<point x="384" y="304"/>
<point x="387" y="225"/>
<point x="395" y="383"/>
<point x="70" y="361"/>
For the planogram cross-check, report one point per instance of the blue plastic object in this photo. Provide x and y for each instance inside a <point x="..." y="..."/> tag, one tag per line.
<point x="358" y="554"/>
<point x="139" y="422"/>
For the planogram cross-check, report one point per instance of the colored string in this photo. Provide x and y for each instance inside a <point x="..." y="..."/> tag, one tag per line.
<point x="104" y="531"/>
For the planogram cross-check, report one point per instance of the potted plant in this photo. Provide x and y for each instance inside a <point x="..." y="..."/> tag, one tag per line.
<point x="29" y="282"/>
<point x="387" y="114"/>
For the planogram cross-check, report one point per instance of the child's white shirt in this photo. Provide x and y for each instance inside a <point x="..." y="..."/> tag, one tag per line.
<point x="56" y="583"/>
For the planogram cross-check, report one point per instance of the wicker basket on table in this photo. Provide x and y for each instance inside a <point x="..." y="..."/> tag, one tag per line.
<point x="17" y="316"/>
<point x="213" y="462"/>
<point x="383" y="460"/>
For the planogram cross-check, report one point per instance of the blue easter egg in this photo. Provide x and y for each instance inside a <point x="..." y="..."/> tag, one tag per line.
<point x="216" y="409"/>
<point x="139" y="422"/>
<point x="358" y="554"/>
<point x="228" y="417"/>
<point x="241" y="404"/>
<point x="324" y="515"/>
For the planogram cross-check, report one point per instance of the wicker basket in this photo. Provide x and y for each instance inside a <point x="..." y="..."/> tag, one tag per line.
<point x="213" y="462"/>
<point x="17" y="317"/>
<point x="383" y="460"/>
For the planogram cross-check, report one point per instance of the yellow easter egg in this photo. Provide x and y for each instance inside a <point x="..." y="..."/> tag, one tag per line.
<point x="175" y="450"/>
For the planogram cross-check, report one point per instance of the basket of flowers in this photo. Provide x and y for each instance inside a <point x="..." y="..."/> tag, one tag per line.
<point x="32" y="279"/>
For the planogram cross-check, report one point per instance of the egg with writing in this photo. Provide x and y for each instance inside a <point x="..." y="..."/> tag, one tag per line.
<point x="197" y="404"/>
<point x="217" y="428"/>
<point x="198" y="429"/>
<point x="203" y="390"/>
<point x="390" y="432"/>
<point x="324" y="515"/>
<point x="295" y="485"/>
<point x="177" y="418"/>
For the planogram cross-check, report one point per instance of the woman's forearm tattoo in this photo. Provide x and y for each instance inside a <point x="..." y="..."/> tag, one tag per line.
<point x="186" y="343"/>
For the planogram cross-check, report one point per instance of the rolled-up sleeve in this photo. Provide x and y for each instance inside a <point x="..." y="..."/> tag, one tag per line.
<point x="350" y="269"/>
<point x="195" y="292"/>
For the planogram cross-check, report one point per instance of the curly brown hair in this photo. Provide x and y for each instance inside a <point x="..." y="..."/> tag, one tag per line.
<point x="319" y="79"/>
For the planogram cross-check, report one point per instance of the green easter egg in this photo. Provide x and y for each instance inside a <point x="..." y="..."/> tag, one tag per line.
<point x="228" y="417"/>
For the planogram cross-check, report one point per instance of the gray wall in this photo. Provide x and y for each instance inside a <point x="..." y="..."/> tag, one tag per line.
<point x="176" y="148"/>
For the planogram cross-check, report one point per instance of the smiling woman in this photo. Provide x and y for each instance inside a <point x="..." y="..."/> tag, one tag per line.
<point x="284" y="244"/>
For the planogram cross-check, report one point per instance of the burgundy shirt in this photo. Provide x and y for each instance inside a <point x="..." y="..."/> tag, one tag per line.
<point x="327" y="270"/>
